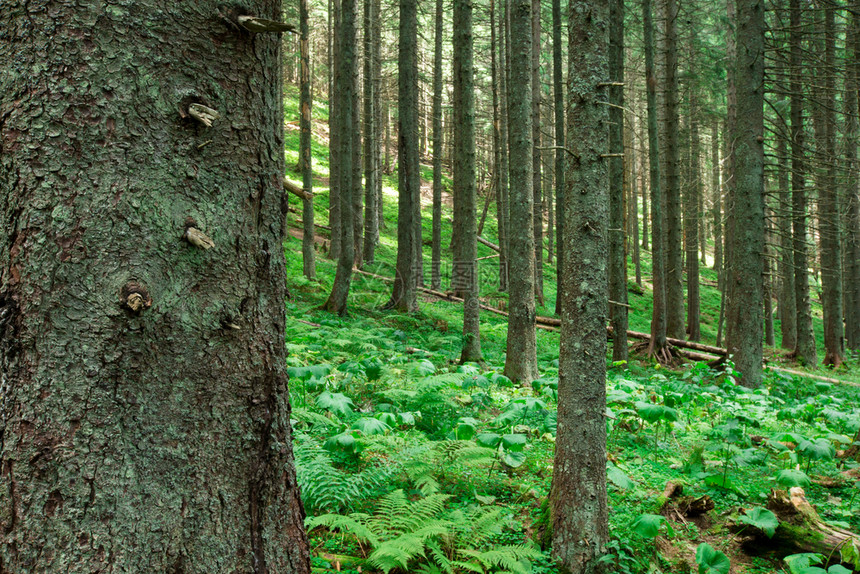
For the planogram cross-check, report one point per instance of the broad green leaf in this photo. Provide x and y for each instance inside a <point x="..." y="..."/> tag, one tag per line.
<point x="654" y="413"/>
<point x="345" y="441"/>
<point x="335" y="402"/>
<point x="792" y="477"/>
<point x="514" y="442"/>
<point x="370" y="426"/>
<point x="513" y="458"/>
<point x="818" y="449"/>
<point x="648" y="525"/>
<point x="799" y="562"/>
<point x="711" y="561"/>
<point x="763" y="519"/>
<point x="488" y="439"/>
<point x="618" y="477"/>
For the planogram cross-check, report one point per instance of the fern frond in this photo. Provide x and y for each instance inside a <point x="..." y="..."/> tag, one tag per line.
<point x="310" y="417"/>
<point x="353" y="524"/>
<point x="397" y="553"/>
<point x="509" y="557"/>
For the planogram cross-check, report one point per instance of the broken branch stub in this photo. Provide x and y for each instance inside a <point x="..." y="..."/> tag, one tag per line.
<point x="203" y="114"/>
<point x="257" y="25"/>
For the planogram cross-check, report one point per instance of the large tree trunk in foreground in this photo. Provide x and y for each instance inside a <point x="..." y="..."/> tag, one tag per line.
<point x="579" y="508"/>
<point x="144" y="418"/>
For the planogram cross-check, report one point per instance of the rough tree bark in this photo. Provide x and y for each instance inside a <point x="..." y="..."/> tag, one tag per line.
<point x="674" y="257"/>
<point x="657" y="346"/>
<point x="465" y="194"/>
<point x="851" y="277"/>
<point x="828" y="199"/>
<point x="578" y="494"/>
<point x="805" y="352"/>
<point x="403" y="297"/>
<point x="617" y="255"/>
<point x="558" y="95"/>
<point x="308" y="232"/>
<point x="503" y="201"/>
<point x="744" y="312"/>
<point x="691" y="221"/>
<point x="537" y="182"/>
<point x="144" y="418"/>
<point x="436" y="257"/>
<point x="371" y="130"/>
<point x="343" y="154"/>
<point x="521" y="358"/>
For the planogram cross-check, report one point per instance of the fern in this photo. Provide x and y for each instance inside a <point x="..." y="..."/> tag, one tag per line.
<point x="403" y="533"/>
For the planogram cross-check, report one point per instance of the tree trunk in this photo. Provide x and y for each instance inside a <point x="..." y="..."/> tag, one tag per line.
<point x="560" y="153"/>
<point x="744" y="314"/>
<point x="144" y="419"/>
<point x="343" y="156"/>
<point x="334" y="216"/>
<point x="657" y="345"/>
<point x="503" y="203"/>
<point x="617" y="255"/>
<point x="521" y="358"/>
<point x="403" y="296"/>
<point x="376" y="49"/>
<point x="828" y="202"/>
<point x="308" y="233"/>
<point x="787" y="304"/>
<point x="465" y="272"/>
<point x="717" y="194"/>
<point x="537" y="182"/>
<point x="578" y="493"/>
<point x="674" y="259"/>
<point x="371" y="219"/>
<point x="805" y="352"/>
<point x="691" y="221"/>
<point x="436" y="257"/>
<point x="851" y="277"/>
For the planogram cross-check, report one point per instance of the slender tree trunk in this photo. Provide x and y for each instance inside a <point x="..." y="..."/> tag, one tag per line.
<point x="644" y="191"/>
<point x="769" y="336"/>
<point x="851" y="277"/>
<point x="521" y="358"/>
<point x="635" y="167"/>
<point x="744" y="341"/>
<point x="729" y="167"/>
<point x="465" y="196"/>
<point x="335" y="101"/>
<point x="787" y="305"/>
<point x="436" y="258"/>
<point x="344" y="156"/>
<point x="716" y="208"/>
<point x="805" y="352"/>
<point x="560" y="153"/>
<point x="691" y="223"/>
<point x="308" y="254"/>
<point x="144" y="408"/>
<point x="356" y="189"/>
<point x="828" y="203"/>
<point x="403" y="297"/>
<point x="674" y="261"/>
<point x="371" y="219"/>
<point x="376" y="54"/>
<point x="617" y="255"/>
<point x="537" y="181"/>
<point x="657" y="345"/>
<point x="578" y="494"/>
<point x="503" y="204"/>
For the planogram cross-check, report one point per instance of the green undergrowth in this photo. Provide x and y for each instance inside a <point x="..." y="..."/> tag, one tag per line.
<point x="411" y="462"/>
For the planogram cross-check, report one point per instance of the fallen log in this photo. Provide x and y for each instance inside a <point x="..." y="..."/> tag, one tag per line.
<point x="802" y="529"/>
<point x="297" y="190"/>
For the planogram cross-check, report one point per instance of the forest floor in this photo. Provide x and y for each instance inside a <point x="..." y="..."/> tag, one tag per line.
<point x="410" y="462"/>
